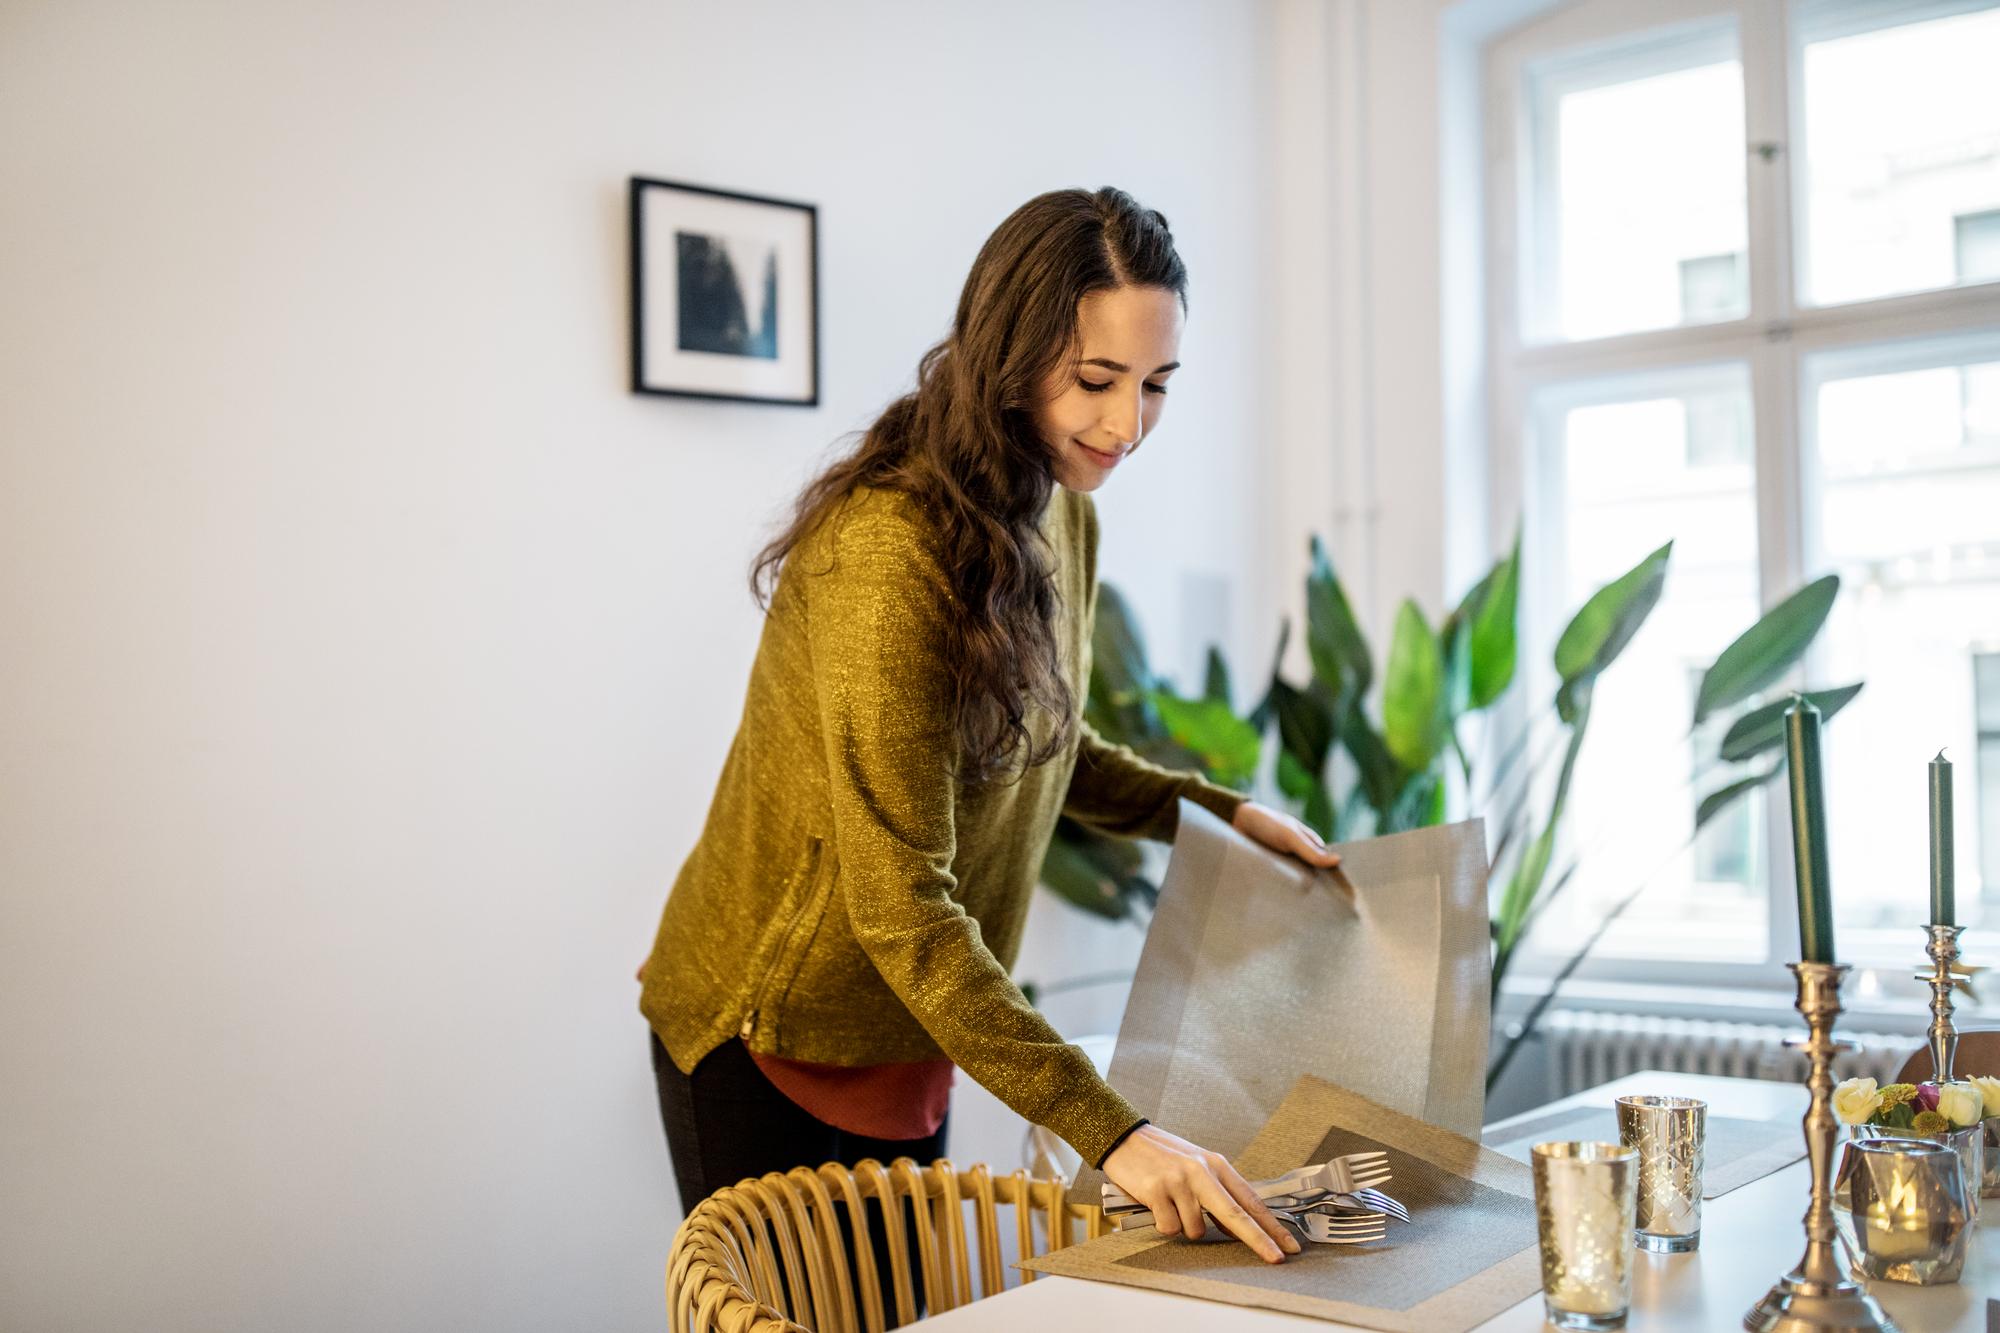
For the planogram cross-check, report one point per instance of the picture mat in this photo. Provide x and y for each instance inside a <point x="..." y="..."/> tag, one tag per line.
<point x="663" y="212"/>
<point x="1258" y="969"/>
<point x="1493" y="1230"/>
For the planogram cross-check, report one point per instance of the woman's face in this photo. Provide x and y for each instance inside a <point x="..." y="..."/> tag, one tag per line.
<point x="1098" y="408"/>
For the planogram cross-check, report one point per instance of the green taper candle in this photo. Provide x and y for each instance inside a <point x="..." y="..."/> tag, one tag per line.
<point x="1944" y="908"/>
<point x="1809" y="832"/>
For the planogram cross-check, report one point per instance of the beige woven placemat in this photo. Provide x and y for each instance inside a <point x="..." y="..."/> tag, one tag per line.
<point x="1257" y="970"/>
<point x="1467" y="1255"/>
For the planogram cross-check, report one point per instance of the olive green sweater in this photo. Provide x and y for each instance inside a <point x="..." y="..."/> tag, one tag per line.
<point x="849" y="902"/>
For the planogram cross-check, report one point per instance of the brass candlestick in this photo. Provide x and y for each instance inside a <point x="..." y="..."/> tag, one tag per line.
<point x="1818" y="1295"/>
<point x="1942" y="946"/>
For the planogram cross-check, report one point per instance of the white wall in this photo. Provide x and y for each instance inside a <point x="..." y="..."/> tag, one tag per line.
<point x="370" y="651"/>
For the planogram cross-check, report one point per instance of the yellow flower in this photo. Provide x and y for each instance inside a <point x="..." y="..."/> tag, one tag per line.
<point x="1990" y="1089"/>
<point x="1930" y="1122"/>
<point x="1895" y="1094"/>
<point x="1856" y="1100"/>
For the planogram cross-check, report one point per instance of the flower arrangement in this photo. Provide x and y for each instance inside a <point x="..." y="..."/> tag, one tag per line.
<point x="1923" y="1108"/>
<point x="1989" y="1089"/>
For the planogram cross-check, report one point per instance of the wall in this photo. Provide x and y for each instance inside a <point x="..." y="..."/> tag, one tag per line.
<point x="371" y="652"/>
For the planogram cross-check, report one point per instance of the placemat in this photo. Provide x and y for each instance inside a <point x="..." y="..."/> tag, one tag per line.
<point x="1467" y="1255"/>
<point x="1257" y="970"/>
<point x="1736" y="1153"/>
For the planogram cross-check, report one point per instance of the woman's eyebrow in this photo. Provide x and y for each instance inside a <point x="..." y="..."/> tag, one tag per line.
<point x="1122" y="368"/>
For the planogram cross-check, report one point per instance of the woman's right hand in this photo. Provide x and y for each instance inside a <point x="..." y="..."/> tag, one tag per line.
<point x="1178" y="1179"/>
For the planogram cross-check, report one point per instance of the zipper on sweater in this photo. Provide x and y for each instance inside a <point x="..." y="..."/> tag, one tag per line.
<point x="784" y="945"/>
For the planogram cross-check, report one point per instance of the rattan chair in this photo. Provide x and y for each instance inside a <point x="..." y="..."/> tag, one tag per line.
<point x="767" y="1255"/>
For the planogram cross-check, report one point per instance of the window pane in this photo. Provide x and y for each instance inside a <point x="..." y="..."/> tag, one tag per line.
<point x="1639" y="201"/>
<point x="1655" y="463"/>
<point x="1902" y="137"/>
<point x="1986" y="705"/>
<point x="1909" y="487"/>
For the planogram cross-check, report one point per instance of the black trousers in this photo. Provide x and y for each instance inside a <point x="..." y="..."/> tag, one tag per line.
<point x="726" y="1121"/>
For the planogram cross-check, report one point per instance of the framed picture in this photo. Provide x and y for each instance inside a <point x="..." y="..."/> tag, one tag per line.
<point x="725" y="295"/>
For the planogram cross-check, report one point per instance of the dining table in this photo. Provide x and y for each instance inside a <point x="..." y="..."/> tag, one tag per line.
<point x="1750" y="1237"/>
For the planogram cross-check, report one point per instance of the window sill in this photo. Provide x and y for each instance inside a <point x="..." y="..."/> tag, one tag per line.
<point x="1867" y="1008"/>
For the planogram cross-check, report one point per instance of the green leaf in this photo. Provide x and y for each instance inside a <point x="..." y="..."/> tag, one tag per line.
<point x="1333" y="637"/>
<point x="1494" y="640"/>
<point x="1305" y="788"/>
<point x="1215" y="683"/>
<point x="1573" y="699"/>
<point x="1115" y="702"/>
<point x="1319" y="814"/>
<point x="1306" y="723"/>
<point x="1763" y="729"/>
<point x="1225" y="745"/>
<point x="1091" y="871"/>
<point x="1294" y="780"/>
<point x="1117" y="650"/>
<point x="1381" y="776"/>
<point x="1721" y="798"/>
<point x="1418" y="805"/>
<point x="1455" y="646"/>
<point x="1599" y="632"/>
<point x="1767" y="649"/>
<point x="1524" y="885"/>
<point x="1413" y="692"/>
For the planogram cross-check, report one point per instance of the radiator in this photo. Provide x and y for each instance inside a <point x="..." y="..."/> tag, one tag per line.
<point x="1588" y="1047"/>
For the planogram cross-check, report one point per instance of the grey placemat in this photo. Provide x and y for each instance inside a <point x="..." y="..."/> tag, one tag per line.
<point x="1457" y="1230"/>
<point x="1737" y="1151"/>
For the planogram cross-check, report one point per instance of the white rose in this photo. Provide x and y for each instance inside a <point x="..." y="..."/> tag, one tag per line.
<point x="1989" y="1090"/>
<point x="1959" y="1103"/>
<point x="1855" y="1100"/>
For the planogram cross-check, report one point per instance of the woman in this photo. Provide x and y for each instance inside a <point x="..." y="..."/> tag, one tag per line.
<point x="840" y="936"/>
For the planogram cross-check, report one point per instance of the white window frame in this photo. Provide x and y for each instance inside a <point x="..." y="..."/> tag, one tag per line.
<point x="1773" y="340"/>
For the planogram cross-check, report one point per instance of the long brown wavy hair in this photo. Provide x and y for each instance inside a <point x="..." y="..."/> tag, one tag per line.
<point x="964" y="444"/>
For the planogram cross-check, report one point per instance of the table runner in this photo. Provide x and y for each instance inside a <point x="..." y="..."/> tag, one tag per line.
<point x="1737" y="1152"/>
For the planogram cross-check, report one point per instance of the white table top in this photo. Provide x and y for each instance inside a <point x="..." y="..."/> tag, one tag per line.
<point x="1750" y="1238"/>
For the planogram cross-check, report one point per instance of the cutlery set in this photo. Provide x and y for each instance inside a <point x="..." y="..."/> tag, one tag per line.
<point x="1333" y="1203"/>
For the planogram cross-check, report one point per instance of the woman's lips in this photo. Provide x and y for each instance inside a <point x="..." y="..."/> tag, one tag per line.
<point x="1099" y="456"/>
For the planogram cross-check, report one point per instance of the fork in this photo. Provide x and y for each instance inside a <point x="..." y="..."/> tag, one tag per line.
<point x="1380" y="1202"/>
<point x="1323" y="1223"/>
<point x="1338" y="1229"/>
<point x="1342" y="1175"/>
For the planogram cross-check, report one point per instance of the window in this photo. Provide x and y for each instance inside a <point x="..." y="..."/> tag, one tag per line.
<point x="1744" y="267"/>
<point x="1905" y="495"/>
<point x="1986" y="706"/>
<point x="1902" y="139"/>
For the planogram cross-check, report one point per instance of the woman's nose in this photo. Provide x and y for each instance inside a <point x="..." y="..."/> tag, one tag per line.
<point x="1121" y="418"/>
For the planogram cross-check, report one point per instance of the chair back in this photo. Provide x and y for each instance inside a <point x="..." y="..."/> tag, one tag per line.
<point x="769" y="1255"/>
<point x="1978" y="1053"/>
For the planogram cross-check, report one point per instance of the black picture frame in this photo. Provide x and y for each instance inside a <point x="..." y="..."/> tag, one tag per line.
<point x="698" y="329"/>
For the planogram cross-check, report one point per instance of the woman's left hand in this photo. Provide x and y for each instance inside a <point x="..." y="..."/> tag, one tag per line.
<point x="1282" y="833"/>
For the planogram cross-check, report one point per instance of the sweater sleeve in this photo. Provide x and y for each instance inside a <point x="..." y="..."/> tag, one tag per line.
<point x="1115" y="791"/>
<point x="875" y="602"/>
